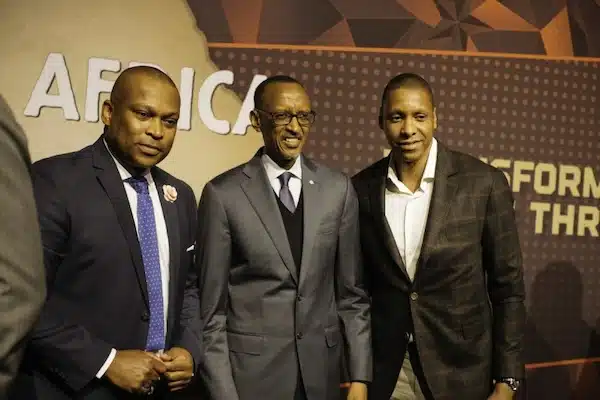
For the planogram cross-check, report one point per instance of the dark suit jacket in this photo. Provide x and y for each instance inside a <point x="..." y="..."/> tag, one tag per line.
<point x="22" y="283"/>
<point x="265" y="321"/>
<point x="465" y="305"/>
<point x="97" y="296"/>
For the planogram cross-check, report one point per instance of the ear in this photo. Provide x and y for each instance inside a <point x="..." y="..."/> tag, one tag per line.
<point x="255" y="120"/>
<point x="107" y="111"/>
<point x="380" y="120"/>
<point x="434" y="118"/>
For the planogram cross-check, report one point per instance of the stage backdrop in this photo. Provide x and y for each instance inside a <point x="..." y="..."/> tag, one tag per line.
<point x="516" y="83"/>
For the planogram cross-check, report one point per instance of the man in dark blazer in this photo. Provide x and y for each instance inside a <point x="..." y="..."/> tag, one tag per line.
<point x="121" y="315"/>
<point x="22" y="283"/>
<point x="443" y="260"/>
<point x="281" y="286"/>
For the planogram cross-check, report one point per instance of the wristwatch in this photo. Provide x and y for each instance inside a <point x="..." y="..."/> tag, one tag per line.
<point x="512" y="383"/>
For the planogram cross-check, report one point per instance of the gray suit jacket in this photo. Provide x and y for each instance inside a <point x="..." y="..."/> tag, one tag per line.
<point x="265" y="323"/>
<point x="22" y="283"/>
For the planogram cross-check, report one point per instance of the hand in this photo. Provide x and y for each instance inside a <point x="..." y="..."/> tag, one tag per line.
<point x="502" y="392"/>
<point x="180" y="367"/>
<point x="357" y="391"/>
<point x="135" y="370"/>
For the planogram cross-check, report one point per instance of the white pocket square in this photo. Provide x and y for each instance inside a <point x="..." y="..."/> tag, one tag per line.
<point x="190" y="248"/>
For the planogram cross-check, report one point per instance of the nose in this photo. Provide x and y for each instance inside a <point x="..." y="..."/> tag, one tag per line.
<point x="409" y="127"/>
<point x="294" y="125"/>
<point x="155" y="128"/>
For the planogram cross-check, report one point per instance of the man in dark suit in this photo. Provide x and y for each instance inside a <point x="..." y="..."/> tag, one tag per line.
<point x="118" y="232"/>
<point x="443" y="260"/>
<point x="281" y="286"/>
<point x="22" y="283"/>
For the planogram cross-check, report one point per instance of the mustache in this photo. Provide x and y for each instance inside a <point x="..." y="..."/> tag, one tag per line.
<point x="152" y="145"/>
<point x="405" y="142"/>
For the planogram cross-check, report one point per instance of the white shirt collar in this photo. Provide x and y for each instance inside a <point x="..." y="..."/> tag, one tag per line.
<point x="273" y="170"/>
<point x="428" y="173"/>
<point x="123" y="171"/>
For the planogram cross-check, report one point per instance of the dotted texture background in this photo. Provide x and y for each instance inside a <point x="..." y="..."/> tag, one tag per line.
<point x="518" y="109"/>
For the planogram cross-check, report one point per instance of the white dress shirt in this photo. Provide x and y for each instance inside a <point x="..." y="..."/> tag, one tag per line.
<point x="273" y="171"/>
<point x="161" y="234"/>
<point x="406" y="212"/>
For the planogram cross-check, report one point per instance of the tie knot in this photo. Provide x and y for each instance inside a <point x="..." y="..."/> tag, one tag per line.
<point x="139" y="184"/>
<point x="285" y="178"/>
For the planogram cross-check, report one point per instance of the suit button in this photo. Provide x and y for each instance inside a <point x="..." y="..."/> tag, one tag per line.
<point x="145" y="316"/>
<point x="299" y="298"/>
<point x="298" y="335"/>
<point x="414" y="296"/>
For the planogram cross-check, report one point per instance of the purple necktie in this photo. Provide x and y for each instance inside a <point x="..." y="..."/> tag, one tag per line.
<point x="149" y="247"/>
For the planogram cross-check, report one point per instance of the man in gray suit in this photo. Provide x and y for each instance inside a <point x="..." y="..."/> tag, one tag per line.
<point x="22" y="283"/>
<point x="280" y="267"/>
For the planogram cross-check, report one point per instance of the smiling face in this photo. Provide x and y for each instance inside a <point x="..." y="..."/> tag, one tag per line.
<point x="141" y="120"/>
<point x="283" y="142"/>
<point x="409" y="121"/>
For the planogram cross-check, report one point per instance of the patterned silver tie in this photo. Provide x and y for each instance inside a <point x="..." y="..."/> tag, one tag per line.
<point x="284" y="193"/>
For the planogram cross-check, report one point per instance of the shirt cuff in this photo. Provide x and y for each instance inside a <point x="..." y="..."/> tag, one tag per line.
<point x="106" y="364"/>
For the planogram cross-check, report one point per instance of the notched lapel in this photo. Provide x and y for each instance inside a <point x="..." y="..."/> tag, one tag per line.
<point x="313" y="208"/>
<point x="377" y="200"/>
<point x="259" y="191"/>
<point x="108" y="176"/>
<point x="171" y="214"/>
<point x="445" y="185"/>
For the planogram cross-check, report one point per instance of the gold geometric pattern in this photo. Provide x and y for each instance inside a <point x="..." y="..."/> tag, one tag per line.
<point x="544" y="27"/>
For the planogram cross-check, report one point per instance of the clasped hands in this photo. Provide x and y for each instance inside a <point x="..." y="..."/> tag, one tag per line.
<point x="137" y="371"/>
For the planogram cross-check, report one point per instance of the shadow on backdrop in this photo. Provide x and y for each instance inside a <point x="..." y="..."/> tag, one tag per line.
<point x="556" y="331"/>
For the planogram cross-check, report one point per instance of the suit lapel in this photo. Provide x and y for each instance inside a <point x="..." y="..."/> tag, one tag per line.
<point x="377" y="201"/>
<point x="110" y="180"/>
<point x="259" y="191"/>
<point x="444" y="190"/>
<point x="311" y="192"/>
<point x="171" y="214"/>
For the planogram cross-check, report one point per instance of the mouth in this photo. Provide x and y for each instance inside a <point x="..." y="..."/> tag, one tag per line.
<point x="149" y="150"/>
<point x="292" y="142"/>
<point x="412" y="145"/>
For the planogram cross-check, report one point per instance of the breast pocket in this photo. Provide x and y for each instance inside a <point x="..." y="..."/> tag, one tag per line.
<point x="189" y="255"/>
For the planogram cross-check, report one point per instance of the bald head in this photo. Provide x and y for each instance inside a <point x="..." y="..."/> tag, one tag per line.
<point x="409" y="81"/>
<point x="131" y="78"/>
<point x="140" y="118"/>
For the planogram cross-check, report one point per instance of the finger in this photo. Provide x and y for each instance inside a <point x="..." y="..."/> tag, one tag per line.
<point x="165" y="357"/>
<point x="158" y="365"/>
<point x="178" y="364"/>
<point x="181" y="382"/>
<point x="170" y="354"/>
<point x="151" y="375"/>
<point x="153" y="355"/>
<point x="178" y="385"/>
<point x="178" y="375"/>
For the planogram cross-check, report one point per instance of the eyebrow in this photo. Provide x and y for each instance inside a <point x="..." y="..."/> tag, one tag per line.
<point x="398" y="111"/>
<point x="287" y="109"/>
<point x="148" y="107"/>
